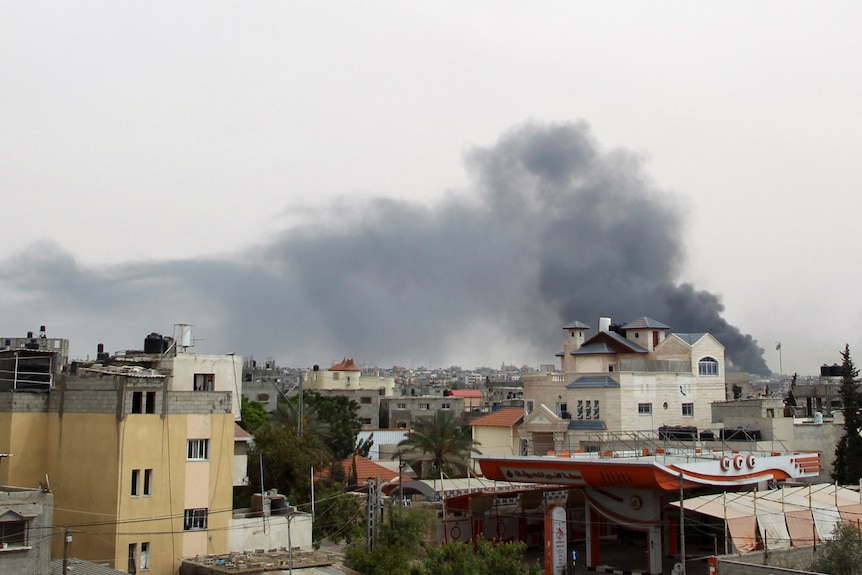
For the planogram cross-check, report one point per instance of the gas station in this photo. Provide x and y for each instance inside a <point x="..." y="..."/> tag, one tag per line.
<point x="589" y="496"/>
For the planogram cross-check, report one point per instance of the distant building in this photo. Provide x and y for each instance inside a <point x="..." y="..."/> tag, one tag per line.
<point x="26" y="528"/>
<point x="635" y="376"/>
<point x="402" y="412"/>
<point x="474" y="402"/>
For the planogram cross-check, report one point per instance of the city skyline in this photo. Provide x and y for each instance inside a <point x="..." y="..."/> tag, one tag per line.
<point x="442" y="184"/>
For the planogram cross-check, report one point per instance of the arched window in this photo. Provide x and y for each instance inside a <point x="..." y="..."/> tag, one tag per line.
<point x="707" y="366"/>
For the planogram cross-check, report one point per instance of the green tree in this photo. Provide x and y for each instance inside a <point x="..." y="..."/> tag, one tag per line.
<point x="847" y="467"/>
<point x="438" y="444"/>
<point x="341" y="416"/>
<point x="842" y="555"/>
<point x="339" y="515"/>
<point x="254" y="414"/>
<point x="287" y="458"/>
<point x="488" y="558"/>
<point x="396" y="546"/>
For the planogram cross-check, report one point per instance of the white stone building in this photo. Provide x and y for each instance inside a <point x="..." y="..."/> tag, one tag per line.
<point x="629" y="377"/>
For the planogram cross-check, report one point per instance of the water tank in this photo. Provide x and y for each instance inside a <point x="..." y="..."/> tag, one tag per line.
<point x="818" y="417"/>
<point x="155" y="343"/>
<point x="835" y="370"/>
<point x="824" y="370"/>
<point x="604" y="323"/>
<point x="184" y="334"/>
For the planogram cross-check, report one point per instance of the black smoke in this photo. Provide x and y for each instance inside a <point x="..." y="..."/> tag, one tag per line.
<point x="553" y="228"/>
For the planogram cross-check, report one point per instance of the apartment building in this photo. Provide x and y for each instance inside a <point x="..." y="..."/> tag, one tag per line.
<point x="635" y="376"/>
<point x="137" y="449"/>
<point x="26" y="528"/>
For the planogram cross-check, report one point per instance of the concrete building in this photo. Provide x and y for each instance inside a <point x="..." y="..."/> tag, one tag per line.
<point x="138" y="450"/>
<point x="347" y="376"/>
<point x="497" y="432"/>
<point x="634" y="376"/>
<point x="26" y="529"/>
<point x="402" y="412"/>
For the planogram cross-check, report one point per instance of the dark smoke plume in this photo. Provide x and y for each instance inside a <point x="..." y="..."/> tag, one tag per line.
<point x="554" y="229"/>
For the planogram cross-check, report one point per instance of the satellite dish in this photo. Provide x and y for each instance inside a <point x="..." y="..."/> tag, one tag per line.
<point x="677" y="568"/>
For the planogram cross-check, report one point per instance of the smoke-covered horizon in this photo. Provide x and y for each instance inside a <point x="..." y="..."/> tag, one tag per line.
<point x="552" y="228"/>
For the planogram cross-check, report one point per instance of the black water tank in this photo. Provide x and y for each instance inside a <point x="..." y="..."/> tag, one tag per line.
<point x="824" y="370"/>
<point x="835" y="370"/>
<point x="155" y="343"/>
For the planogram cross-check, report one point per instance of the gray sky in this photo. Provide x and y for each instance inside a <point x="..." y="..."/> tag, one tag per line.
<point x="431" y="183"/>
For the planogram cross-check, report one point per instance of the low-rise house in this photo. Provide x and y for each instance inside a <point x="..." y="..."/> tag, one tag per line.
<point x="497" y="432"/>
<point x="26" y="528"/>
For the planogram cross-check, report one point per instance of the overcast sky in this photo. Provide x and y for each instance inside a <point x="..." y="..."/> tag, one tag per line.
<point x="432" y="183"/>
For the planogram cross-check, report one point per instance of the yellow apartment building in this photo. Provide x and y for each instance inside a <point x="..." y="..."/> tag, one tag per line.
<point x="137" y="449"/>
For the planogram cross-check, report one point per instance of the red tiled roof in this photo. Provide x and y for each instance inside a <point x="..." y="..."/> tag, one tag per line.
<point x="367" y="469"/>
<point x="466" y="393"/>
<point x="240" y="434"/>
<point x="345" y="365"/>
<point x="506" y="417"/>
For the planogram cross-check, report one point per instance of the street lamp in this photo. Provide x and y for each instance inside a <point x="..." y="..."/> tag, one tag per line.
<point x="780" y="366"/>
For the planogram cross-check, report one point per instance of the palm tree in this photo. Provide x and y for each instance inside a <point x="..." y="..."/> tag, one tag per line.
<point x="442" y="442"/>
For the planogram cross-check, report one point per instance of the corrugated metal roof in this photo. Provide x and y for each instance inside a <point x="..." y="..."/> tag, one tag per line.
<point x="593" y="381"/>
<point x="81" y="567"/>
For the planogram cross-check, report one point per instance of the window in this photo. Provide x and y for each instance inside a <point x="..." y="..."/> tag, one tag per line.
<point x="136" y="482"/>
<point x="143" y="402"/>
<point x="199" y="449"/>
<point x="204" y="382"/>
<point x="195" y="519"/>
<point x="151" y="402"/>
<point x="529" y="405"/>
<point x="596" y="409"/>
<point x="263" y="397"/>
<point x="366" y="421"/>
<point x="644" y="409"/>
<point x="563" y="410"/>
<point x="588" y="409"/>
<point x="148" y="481"/>
<point x="707" y="366"/>
<point x="365" y="400"/>
<point x="445" y="406"/>
<point x="687" y="409"/>
<point x="400" y="406"/>
<point x="133" y="557"/>
<point x="145" y="555"/>
<point x="13" y="533"/>
<point x="424" y="406"/>
<point x="580" y="409"/>
<point x="524" y="447"/>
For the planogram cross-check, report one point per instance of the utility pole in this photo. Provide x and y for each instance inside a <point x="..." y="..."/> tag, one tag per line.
<point x="67" y="544"/>
<point x="681" y="524"/>
<point x="374" y="509"/>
